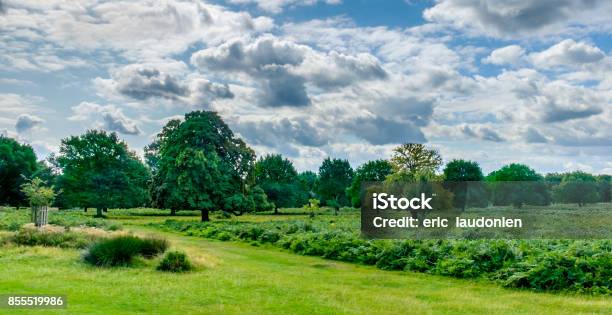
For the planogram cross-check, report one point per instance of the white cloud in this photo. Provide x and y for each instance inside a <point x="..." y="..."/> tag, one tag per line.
<point x="522" y="18"/>
<point x="277" y="6"/>
<point x="567" y="53"/>
<point x="26" y="122"/>
<point x="108" y="117"/>
<point x="505" y="55"/>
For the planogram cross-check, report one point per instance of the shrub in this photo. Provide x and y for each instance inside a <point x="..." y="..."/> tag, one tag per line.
<point x="151" y="247"/>
<point x="32" y="237"/>
<point x="175" y="262"/>
<point x="121" y="251"/>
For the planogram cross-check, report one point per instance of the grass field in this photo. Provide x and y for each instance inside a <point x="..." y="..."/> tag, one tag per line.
<point x="238" y="278"/>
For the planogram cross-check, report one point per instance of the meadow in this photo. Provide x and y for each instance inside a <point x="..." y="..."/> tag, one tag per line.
<point x="241" y="269"/>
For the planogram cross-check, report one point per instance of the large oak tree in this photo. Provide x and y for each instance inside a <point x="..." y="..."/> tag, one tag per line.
<point x="199" y="164"/>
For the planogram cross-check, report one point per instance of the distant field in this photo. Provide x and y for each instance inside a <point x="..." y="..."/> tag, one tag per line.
<point x="236" y="277"/>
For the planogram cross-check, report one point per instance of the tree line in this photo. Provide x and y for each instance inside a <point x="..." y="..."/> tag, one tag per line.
<point x="198" y="163"/>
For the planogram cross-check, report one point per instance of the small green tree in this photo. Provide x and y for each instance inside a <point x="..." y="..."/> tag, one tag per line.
<point x="371" y="171"/>
<point x="413" y="158"/>
<point x="518" y="184"/>
<point x="605" y="187"/>
<point x="577" y="187"/>
<point x="459" y="176"/>
<point x="335" y="176"/>
<point x="40" y="197"/>
<point x="278" y="178"/>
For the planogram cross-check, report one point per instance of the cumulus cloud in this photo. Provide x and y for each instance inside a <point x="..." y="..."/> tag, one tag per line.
<point x="481" y="132"/>
<point x="505" y="55"/>
<point x="145" y="82"/>
<point x="108" y="117"/>
<point x="520" y="17"/>
<point x="532" y="135"/>
<point x="279" y="132"/>
<point x="26" y="122"/>
<point x="277" y="6"/>
<point x="378" y="130"/>
<point x="286" y="68"/>
<point x="567" y="53"/>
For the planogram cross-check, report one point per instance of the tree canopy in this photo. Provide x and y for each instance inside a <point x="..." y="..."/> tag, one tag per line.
<point x="461" y="179"/>
<point x="200" y="164"/>
<point x="98" y="170"/>
<point x="278" y="178"/>
<point x="518" y="184"/>
<point x="17" y="165"/>
<point x="577" y="187"/>
<point x="371" y="171"/>
<point x="412" y="161"/>
<point x="335" y="175"/>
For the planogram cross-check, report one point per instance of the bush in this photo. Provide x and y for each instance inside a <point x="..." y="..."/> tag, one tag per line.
<point x="175" y="262"/>
<point x="554" y="265"/>
<point x="121" y="251"/>
<point x="31" y="237"/>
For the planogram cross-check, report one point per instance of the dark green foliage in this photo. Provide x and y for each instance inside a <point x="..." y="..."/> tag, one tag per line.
<point x="371" y="171"/>
<point x="278" y="178"/>
<point x="121" y="251"/>
<point x="99" y="171"/>
<point x="198" y="164"/>
<point x="559" y="265"/>
<point x="604" y="183"/>
<point x="518" y="184"/>
<point x="17" y="164"/>
<point x="460" y="177"/>
<point x="307" y="182"/>
<point x="577" y="187"/>
<point x="175" y="262"/>
<point x="27" y="237"/>
<point x="335" y="176"/>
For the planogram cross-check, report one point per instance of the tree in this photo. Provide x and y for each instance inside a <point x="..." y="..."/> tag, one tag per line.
<point x="278" y="178"/>
<point x="371" y="171"/>
<point x="518" y="184"/>
<point x="17" y="165"/>
<point x="413" y="158"/>
<point x="99" y="170"/>
<point x="307" y="183"/>
<point x="605" y="187"/>
<point x="335" y="176"/>
<point x="457" y="175"/>
<point x="37" y="194"/>
<point x="201" y="165"/>
<point x="577" y="187"/>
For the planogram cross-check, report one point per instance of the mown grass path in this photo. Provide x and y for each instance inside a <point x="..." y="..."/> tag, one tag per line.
<point x="239" y="278"/>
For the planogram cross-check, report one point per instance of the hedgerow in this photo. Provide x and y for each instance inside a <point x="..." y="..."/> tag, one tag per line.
<point x="543" y="265"/>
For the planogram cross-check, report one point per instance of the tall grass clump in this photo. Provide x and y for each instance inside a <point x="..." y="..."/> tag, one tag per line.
<point x="175" y="262"/>
<point x="121" y="251"/>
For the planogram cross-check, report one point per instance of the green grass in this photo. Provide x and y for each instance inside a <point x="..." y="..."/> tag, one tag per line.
<point x="237" y="278"/>
<point x="232" y="277"/>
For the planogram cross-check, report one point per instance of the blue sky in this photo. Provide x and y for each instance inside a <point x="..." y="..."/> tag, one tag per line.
<point x="492" y="81"/>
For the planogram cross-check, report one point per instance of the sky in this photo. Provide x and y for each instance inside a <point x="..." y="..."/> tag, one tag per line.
<point x="496" y="82"/>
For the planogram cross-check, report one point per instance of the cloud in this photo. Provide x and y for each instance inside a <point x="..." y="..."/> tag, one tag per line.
<point x="555" y="114"/>
<point x="145" y="82"/>
<point x="26" y="122"/>
<point x="520" y="17"/>
<point x="277" y="6"/>
<point x="283" y="89"/>
<point x="112" y="118"/>
<point x="481" y="132"/>
<point x="378" y="130"/>
<point x="505" y="55"/>
<point x="335" y="69"/>
<point x="280" y="132"/>
<point x="532" y="135"/>
<point x="567" y="53"/>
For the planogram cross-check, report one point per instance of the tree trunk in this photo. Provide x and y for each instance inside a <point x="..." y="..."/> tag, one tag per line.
<point x="99" y="212"/>
<point x="105" y="209"/>
<point x="275" y="210"/>
<point x="336" y="209"/>
<point x="172" y="212"/>
<point x="85" y="209"/>
<point x="205" y="217"/>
